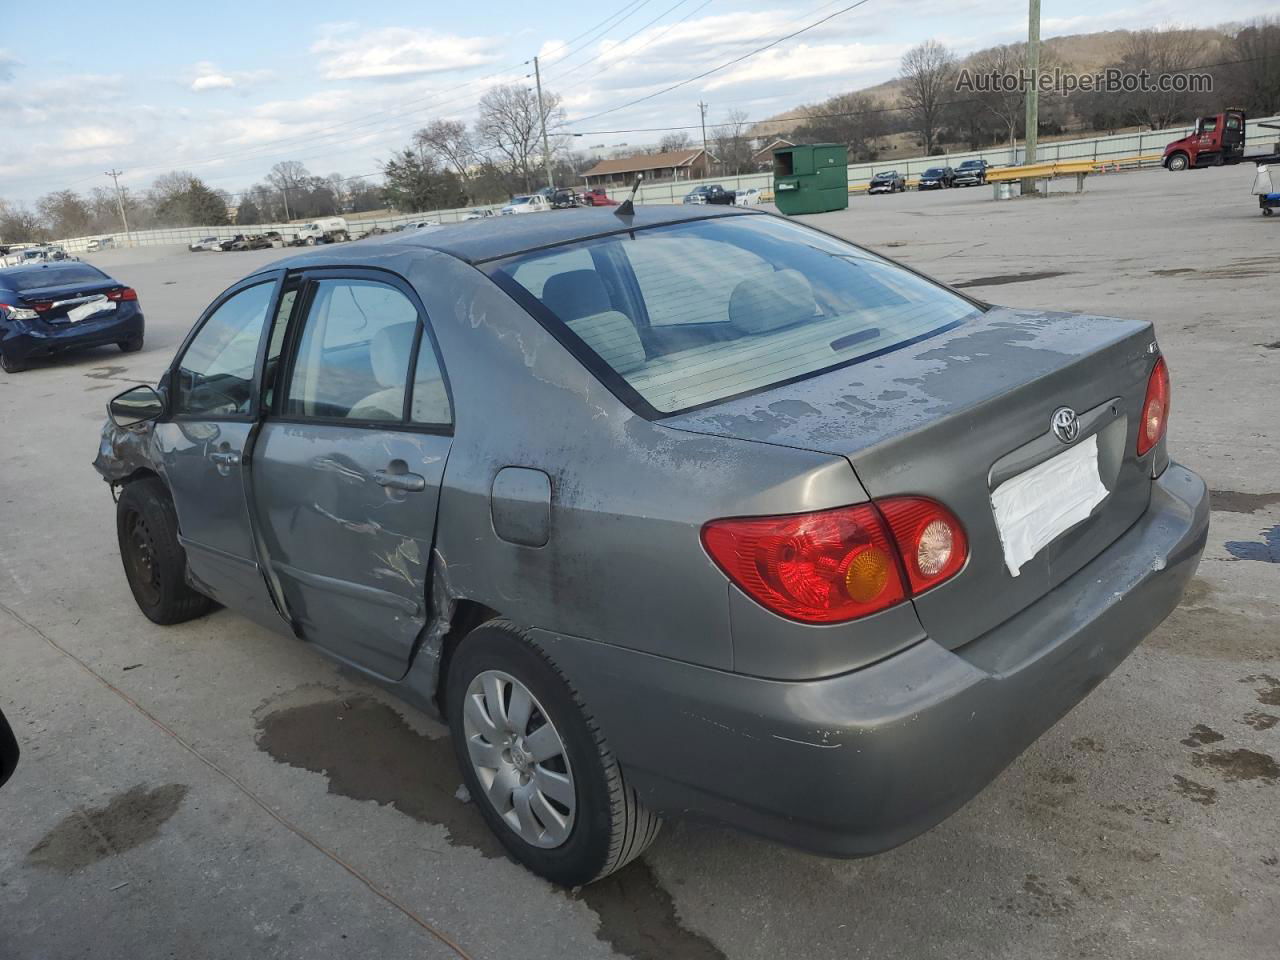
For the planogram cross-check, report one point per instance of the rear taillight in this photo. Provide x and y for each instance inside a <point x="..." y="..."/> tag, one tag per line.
<point x="1155" y="408"/>
<point x="9" y="311"/>
<point x="930" y="538"/>
<point x="838" y="565"/>
<point x="124" y="293"/>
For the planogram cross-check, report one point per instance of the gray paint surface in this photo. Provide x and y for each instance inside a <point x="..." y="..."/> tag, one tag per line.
<point x="621" y="564"/>
<point x="1109" y="836"/>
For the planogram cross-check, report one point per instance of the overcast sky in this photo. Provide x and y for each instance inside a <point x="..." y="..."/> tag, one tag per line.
<point x="225" y="89"/>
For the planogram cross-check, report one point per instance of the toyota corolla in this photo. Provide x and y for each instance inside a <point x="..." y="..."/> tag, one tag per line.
<point x="687" y="511"/>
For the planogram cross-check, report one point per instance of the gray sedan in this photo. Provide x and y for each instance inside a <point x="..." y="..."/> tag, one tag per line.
<point x="688" y="511"/>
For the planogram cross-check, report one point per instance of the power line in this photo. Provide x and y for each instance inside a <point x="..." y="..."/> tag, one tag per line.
<point x="574" y="69"/>
<point x="727" y="63"/>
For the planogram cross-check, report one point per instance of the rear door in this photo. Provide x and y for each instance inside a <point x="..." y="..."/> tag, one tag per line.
<point x="203" y="446"/>
<point x="348" y="466"/>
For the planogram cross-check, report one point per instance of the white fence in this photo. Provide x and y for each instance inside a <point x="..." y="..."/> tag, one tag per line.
<point x="1092" y="148"/>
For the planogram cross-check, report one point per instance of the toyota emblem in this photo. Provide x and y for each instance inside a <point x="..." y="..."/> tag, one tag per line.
<point x="1065" y="423"/>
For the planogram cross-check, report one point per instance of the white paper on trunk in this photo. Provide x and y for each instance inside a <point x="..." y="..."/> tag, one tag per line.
<point x="1040" y="504"/>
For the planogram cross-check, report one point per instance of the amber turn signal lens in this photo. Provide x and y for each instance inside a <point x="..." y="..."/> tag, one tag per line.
<point x="867" y="575"/>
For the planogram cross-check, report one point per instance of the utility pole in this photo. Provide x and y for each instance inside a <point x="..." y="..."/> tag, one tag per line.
<point x="1033" y="95"/>
<point x="284" y="192"/>
<point x="542" y="116"/>
<point x="115" y="178"/>
<point x="702" y="109"/>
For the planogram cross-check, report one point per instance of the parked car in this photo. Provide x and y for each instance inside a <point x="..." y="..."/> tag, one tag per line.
<point x="275" y="238"/>
<point x="935" y="178"/>
<point x="258" y="242"/>
<point x="418" y="225"/>
<point x="534" y="203"/>
<point x="205" y="243"/>
<point x="51" y="308"/>
<point x="747" y="198"/>
<point x="971" y="173"/>
<point x="629" y="575"/>
<point x="597" y="197"/>
<point x="563" y="198"/>
<point x="100" y="243"/>
<point x="713" y="193"/>
<point x="324" y="230"/>
<point x="479" y="215"/>
<point x="44" y="253"/>
<point x="238" y="242"/>
<point x="887" y="181"/>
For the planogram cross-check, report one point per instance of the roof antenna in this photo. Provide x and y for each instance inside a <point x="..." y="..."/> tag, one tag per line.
<point x="628" y="208"/>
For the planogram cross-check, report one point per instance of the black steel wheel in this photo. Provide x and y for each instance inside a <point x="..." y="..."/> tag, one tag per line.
<point x="154" y="562"/>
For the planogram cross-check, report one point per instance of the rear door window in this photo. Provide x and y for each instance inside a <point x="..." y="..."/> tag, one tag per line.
<point x="353" y="356"/>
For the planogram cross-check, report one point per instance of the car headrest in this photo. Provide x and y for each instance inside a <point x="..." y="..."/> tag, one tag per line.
<point x="389" y="353"/>
<point x="770" y="301"/>
<point x="612" y="335"/>
<point x="575" y="294"/>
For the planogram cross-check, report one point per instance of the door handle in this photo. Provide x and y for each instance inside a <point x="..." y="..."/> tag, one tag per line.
<point x="409" y="482"/>
<point x="225" y="458"/>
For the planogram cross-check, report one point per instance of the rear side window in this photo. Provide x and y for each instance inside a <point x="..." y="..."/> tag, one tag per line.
<point x="353" y="357"/>
<point x="689" y="314"/>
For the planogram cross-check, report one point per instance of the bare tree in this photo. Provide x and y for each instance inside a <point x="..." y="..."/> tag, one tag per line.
<point x="926" y="81"/>
<point x="1253" y="78"/>
<point x="509" y="127"/>
<point x="732" y="142"/>
<point x="674" y="141"/>
<point x="286" y="176"/>
<point x="1157" y="52"/>
<point x="451" y="143"/>
<point x="854" y="119"/>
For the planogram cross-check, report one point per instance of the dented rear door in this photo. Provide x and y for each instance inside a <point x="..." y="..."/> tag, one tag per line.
<point x="347" y="469"/>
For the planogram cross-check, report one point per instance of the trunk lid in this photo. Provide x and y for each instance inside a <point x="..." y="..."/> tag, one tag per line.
<point x="62" y="299"/>
<point x="954" y="416"/>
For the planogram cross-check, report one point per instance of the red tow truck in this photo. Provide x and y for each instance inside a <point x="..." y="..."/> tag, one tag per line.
<point x="1215" y="141"/>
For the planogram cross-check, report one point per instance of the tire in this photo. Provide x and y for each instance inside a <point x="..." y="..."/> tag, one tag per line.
<point x="309" y="242"/>
<point x="154" y="562"/>
<point x="1177" y="162"/>
<point x="1267" y="211"/>
<point x="130" y="346"/>
<point x="10" y="365"/>
<point x="606" y="827"/>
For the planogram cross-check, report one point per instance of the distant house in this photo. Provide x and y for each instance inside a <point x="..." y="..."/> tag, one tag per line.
<point x="762" y="159"/>
<point x="672" y="165"/>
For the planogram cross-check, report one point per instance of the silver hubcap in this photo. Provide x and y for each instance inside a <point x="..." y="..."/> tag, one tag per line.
<point x="519" y="759"/>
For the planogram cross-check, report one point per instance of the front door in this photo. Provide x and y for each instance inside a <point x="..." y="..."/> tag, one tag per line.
<point x="203" y="443"/>
<point x="348" y="466"/>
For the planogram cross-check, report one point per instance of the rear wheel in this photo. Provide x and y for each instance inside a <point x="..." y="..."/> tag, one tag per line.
<point x="536" y="764"/>
<point x="10" y="365"/>
<point x="154" y="561"/>
<point x="132" y="345"/>
<point x="1178" y="161"/>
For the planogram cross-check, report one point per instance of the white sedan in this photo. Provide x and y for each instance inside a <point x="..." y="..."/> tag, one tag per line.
<point x="536" y="203"/>
<point x="747" y="198"/>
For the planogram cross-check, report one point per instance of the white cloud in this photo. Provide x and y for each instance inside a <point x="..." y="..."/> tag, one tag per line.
<point x="212" y="81"/>
<point x="347" y="54"/>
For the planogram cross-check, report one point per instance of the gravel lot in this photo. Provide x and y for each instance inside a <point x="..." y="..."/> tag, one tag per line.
<point x="213" y="790"/>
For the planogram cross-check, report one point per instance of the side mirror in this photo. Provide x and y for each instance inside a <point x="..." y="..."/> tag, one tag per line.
<point x="8" y="751"/>
<point x="134" y="406"/>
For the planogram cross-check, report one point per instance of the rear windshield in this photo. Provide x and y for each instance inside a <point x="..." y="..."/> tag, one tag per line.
<point x="689" y="314"/>
<point x="50" y="275"/>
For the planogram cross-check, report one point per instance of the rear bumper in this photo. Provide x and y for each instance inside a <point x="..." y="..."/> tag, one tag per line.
<point x="25" y="340"/>
<point x="856" y="764"/>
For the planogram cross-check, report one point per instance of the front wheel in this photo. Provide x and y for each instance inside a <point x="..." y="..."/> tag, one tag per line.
<point x="132" y="345"/>
<point x="536" y="764"/>
<point x="1267" y="211"/>
<point x="11" y="365"/>
<point x="1178" y="161"/>
<point x="154" y="562"/>
<point x="310" y="242"/>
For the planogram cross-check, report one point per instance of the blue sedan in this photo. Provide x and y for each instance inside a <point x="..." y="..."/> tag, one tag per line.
<point x="49" y="308"/>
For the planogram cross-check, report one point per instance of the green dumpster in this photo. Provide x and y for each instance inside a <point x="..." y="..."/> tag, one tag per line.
<point x="811" y="178"/>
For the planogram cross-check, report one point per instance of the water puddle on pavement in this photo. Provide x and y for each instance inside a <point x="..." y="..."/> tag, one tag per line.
<point x="87" y="835"/>
<point x="367" y="751"/>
